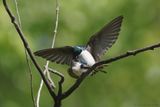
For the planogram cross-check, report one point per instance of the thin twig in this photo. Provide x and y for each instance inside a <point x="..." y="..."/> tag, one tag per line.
<point x="84" y="75"/>
<point x="54" y="36"/>
<point x="26" y="45"/>
<point x="31" y="78"/>
<point x="61" y="80"/>
<point x="56" y="72"/>
<point x="39" y="91"/>
<point x="26" y="55"/>
<point x="18" y="15"/>
<point x="47" y="63"/>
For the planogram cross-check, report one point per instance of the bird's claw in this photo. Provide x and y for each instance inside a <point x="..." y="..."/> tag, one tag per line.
<point x="99" y="69"/>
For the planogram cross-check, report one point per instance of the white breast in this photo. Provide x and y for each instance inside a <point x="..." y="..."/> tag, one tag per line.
<point x="76" y="68"/>
<point x="86" y="57"/>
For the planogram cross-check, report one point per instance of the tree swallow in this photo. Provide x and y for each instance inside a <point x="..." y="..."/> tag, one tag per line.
<point x="81" y="57"/>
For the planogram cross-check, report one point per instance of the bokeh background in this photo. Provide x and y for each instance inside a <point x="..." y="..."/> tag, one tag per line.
<point x="131" y="82"/>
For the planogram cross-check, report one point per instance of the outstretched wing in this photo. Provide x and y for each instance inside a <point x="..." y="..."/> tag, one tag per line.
<point x="105" y="38"/>
<point x="63" y="55"/>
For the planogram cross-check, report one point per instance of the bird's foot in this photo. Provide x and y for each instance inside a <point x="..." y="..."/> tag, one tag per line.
<point x="99" y="69"/>
<point x="96" y="70"/>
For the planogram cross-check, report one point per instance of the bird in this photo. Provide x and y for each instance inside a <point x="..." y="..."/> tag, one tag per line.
<point x="80" y="58"/>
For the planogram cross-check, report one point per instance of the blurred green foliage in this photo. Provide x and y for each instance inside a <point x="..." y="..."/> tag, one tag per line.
<point x="132" y="82"/>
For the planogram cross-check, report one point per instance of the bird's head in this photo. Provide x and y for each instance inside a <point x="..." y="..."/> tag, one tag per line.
<point x="77" y="50"/>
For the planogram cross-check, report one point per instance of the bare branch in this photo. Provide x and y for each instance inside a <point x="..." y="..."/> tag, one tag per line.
<point x="60" y="82"/>
<point x="31" y="78"/>
<point x="62" y="95"/>
<point x="125" y="55"/>
<point x="58" y="99"/>
<point x="26" y="55"/>
<point x="129" y="53"/>
<point x="18" y="16"/>
<point x="47" y="63"/>
<point x="25" y="43"/>
<point x="56" y="73"/>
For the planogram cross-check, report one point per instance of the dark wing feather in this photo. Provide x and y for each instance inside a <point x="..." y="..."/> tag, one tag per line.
<point x="63" y="55"/>
<point x="105" y="38"/>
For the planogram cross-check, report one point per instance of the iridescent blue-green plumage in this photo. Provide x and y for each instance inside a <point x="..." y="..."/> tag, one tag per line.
<point x="77" y="50"/>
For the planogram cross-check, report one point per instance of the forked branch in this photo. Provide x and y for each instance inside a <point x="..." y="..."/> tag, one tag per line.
<point x="47" y="63"/>
<point x="62" y="95"/>
<point x="26" y="45"/>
